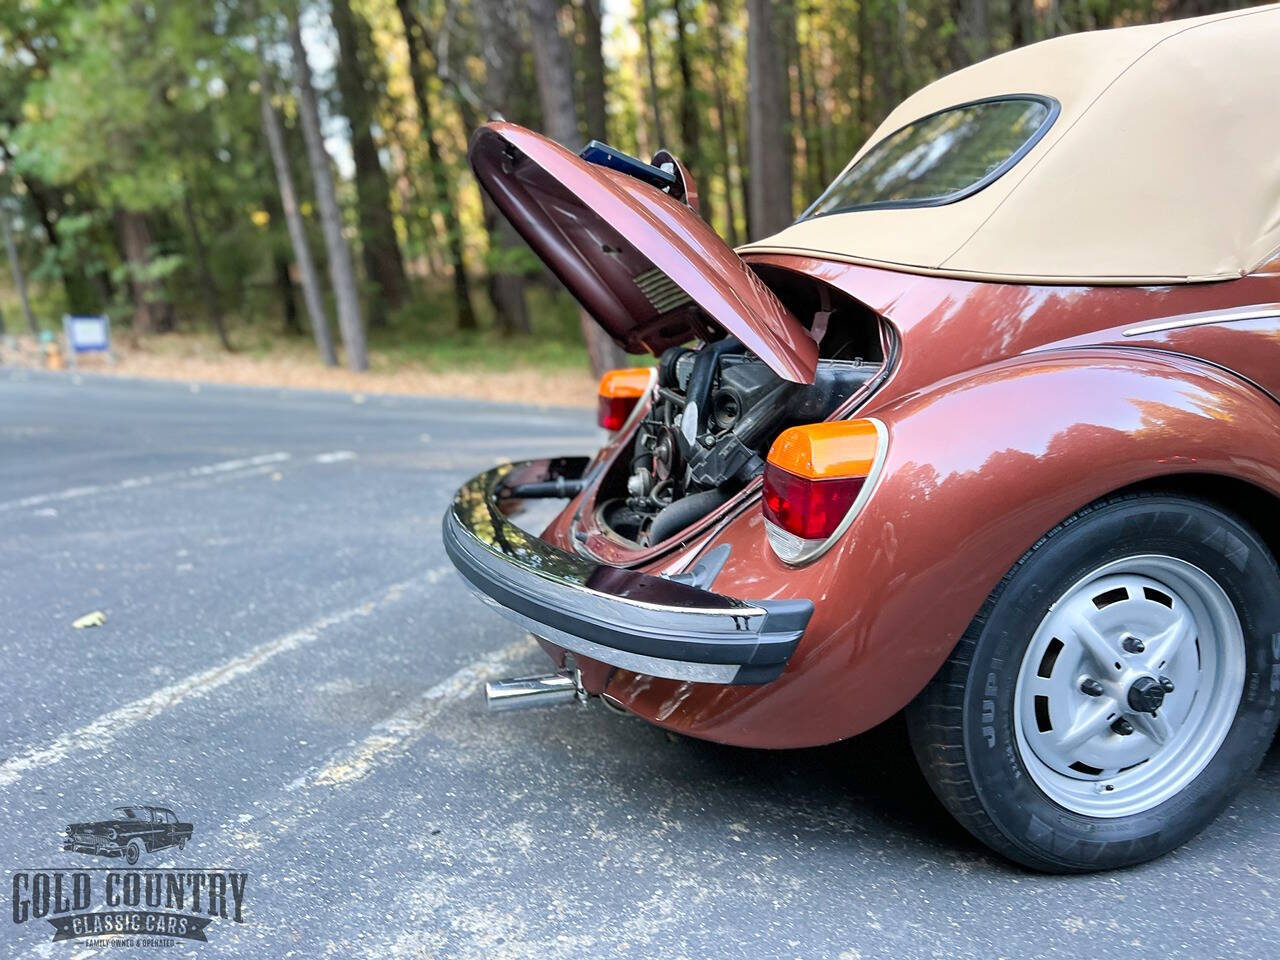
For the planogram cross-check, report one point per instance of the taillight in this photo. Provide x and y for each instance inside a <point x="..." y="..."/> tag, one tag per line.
<point x="813" y="479"/>
<point x="620" y="391"/>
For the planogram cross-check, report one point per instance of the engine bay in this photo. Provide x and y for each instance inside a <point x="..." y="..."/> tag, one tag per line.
<point x="717" y="408"/>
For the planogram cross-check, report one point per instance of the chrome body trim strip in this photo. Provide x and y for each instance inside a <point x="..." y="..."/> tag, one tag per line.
<point x="1261" y="311"/>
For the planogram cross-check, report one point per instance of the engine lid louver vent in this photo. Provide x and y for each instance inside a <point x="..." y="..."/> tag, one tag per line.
<point x="663" y="293"/>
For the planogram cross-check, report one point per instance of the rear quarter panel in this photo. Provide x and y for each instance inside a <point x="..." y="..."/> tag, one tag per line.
<point x="1009" y="408"/>
<point x="979" y="467"/>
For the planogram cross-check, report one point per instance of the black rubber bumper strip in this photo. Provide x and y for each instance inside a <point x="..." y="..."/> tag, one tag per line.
<point x="625" y="610"/>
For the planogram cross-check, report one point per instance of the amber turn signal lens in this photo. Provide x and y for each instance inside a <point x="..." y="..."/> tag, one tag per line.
<point x="620" y="391"/>
<point x="836" y="448"/>
<point x="811" y="481"/>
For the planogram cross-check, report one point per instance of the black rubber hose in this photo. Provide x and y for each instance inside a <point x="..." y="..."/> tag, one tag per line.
<point x="768" y="411"/>
<point x="675" y="516"/>
<point x="704" y="373"/>
<point x="668" y="365"/>
<point x="559" y="488"/>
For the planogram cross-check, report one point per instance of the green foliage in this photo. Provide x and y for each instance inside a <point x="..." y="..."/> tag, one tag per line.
<point x="152" y="108"/>
<point x="519" y="260"/>
<point x="111" y="108"/>
<point x="78" y="248"/>
<point x="425" y="334"/>
<point x="158" y="268"/>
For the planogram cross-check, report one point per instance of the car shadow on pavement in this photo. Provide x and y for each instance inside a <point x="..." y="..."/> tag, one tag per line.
<point x="1269" y="772"/>
<point x="872" y="779"/>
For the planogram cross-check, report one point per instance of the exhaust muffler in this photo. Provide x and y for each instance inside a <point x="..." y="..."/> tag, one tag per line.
<point x="543" y="690"/>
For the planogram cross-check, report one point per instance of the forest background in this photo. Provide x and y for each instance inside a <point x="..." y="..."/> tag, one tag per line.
<point x="250" y="180"/>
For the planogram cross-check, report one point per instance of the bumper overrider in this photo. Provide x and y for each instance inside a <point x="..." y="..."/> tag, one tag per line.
<point x="648" y="624"/>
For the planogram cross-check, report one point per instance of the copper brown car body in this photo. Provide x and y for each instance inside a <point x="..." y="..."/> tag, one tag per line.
<point x="1011" y="399"/>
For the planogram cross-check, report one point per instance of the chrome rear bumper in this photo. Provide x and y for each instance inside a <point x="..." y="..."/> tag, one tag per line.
<point x="647" y="624"/>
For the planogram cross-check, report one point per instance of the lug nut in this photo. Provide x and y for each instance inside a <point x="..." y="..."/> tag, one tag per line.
<point x="1167" y="684"/>
<point x="1091" y="687"/>
<point x="1133" y="645"/>
<point x="1123" y="727"/>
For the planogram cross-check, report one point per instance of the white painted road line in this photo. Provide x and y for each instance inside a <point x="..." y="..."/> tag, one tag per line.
<point x="132" y="483"/>
<point x="242" y="467"/>
<point x="411" y="721"/>
<point x="334" y="456"/>
<point x="101" y="732"/>
<point x="200" y="483"/>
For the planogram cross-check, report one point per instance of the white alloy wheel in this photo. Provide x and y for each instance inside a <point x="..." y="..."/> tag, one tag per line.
<point x="1129" y="686"/>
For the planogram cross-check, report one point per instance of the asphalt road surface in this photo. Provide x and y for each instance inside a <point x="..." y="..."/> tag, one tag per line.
<point x="290" y="662"/>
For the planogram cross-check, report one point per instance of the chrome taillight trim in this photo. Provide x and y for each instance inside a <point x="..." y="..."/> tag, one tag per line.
<point x="796" y="551"/>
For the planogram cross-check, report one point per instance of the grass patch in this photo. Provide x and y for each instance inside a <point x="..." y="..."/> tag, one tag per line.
<point x="425" y="334"/>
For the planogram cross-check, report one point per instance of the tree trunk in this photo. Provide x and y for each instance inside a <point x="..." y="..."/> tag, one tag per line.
<point x="293" y="220"/>
<point x="816" y="99"/>
<point x="972" y="40"/>
<point x="554" y="70"/>
<point x="284" y="286"/>
<point x="905" y="69"/>
<point x="19" y="278"/>
<point x="881" y="69"/>
<point x="722" y="124"/>
<point x="804" y="126"/>
<point x="690" y="127"/>
<point x="506" y="287"/>
<point x="379" y="247"/>
<point x="151" y="313"/>
<point x="283" y="280"/>
<point x="209" y="289"/>
<point x="769" y="120"/>
<point x="1021" y="22"/>
<point x="413" y="37"/>
<point x="738" y="127"/>
<point x="341" y="273"/>
<point x="75" y="280"/>
<point x="595" y="77"/>
<point x="864" y="49"/>
<point x="655" y="100"/>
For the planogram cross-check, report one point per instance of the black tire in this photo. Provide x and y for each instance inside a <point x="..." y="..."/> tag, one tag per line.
<point x="134" y="851"/>
<point x="973" y="762"/>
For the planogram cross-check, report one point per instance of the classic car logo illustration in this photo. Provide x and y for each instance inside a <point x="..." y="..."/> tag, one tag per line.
<point x="128" y="903"/>
<point x="132" y="832"/>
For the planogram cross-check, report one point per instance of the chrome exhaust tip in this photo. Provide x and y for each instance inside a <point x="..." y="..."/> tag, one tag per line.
<point x="543" y="690"/>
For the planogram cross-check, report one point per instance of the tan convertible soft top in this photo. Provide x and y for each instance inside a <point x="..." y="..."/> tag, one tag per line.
<point x="1162" y="167"/>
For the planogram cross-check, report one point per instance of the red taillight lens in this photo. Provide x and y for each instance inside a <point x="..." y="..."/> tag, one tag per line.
<point x="620" y="391"/>
<point x="809" y="509"/>
<point x="812" y="481"/>
<point x="612" y="412"/>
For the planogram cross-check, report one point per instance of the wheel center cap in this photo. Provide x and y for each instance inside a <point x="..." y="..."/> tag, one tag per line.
<point x="1146" y="695"/>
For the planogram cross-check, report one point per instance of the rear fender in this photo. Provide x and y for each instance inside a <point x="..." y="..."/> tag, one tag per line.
<point x="979" y="467"/>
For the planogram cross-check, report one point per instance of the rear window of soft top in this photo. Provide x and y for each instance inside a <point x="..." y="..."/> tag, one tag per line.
<point x="941" y="158"/>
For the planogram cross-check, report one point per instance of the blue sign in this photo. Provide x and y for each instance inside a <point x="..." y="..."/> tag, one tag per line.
<point x="87" y="334"/>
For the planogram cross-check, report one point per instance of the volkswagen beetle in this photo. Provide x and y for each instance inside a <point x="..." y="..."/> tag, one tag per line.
<point x="989" y="434"/>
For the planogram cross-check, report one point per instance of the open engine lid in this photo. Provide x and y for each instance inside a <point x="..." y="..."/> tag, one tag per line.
<point x="650" y="270"/>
